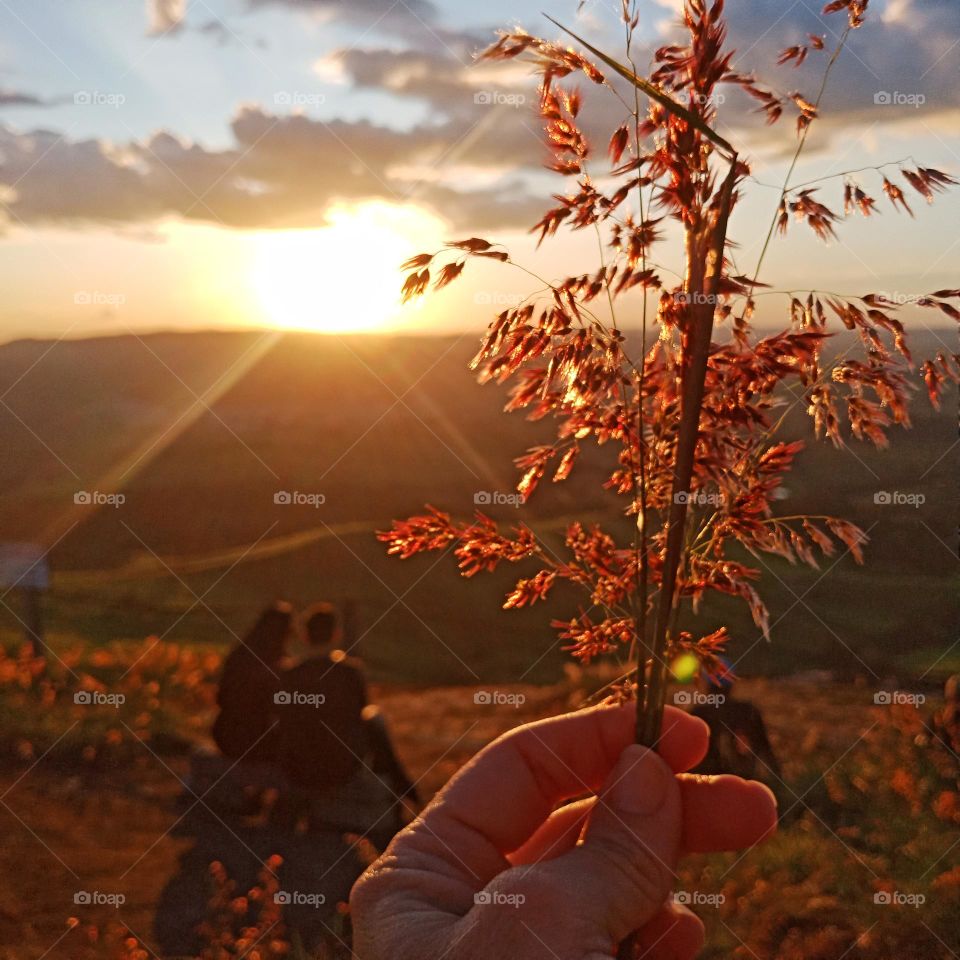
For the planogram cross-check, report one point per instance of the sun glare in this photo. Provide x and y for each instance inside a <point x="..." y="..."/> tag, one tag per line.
<point x="343" y="277"/>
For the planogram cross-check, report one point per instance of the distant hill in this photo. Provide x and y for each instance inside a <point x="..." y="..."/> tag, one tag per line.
<point x="199" y="433"/>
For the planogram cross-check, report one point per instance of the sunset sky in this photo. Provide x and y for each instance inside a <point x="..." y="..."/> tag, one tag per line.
<point x="234" y="163"/>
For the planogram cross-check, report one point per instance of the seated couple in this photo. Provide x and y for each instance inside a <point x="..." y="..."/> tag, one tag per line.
<point x="308" y="728"/>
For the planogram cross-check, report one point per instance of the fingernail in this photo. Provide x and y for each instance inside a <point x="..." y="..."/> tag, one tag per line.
<point x="642" y="781"/>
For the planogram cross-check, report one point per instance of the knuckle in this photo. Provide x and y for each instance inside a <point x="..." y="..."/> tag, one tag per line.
<point x="365" y="892"/>
<point x="372" y="892"/>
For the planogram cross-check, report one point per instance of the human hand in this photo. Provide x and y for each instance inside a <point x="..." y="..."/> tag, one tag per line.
<point x="492" y="869"/>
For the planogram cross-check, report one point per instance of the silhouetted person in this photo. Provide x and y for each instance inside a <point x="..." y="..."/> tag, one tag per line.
<point x="320" y="706"/>
<point x="333" y="745"/>
<point x="738" y="736"/>
<point x="246" y="727"/>
<point x="383" y="759"/>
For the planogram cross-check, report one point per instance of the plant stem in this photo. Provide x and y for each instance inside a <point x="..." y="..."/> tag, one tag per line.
<point x="704" y="269"/>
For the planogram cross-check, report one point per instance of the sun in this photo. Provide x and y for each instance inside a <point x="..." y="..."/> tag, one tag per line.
<point x="343" y="277"/>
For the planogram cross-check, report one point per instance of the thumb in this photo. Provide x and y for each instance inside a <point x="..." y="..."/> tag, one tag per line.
<point x="632" y="842"/>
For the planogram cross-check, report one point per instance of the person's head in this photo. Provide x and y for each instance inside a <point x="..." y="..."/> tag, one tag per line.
<point x="321" y="626"/>
<point x="270" y="634"/>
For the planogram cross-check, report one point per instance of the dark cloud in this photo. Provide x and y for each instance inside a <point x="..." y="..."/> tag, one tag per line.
<point x="903" y="64"/>
<point x="908" y="50"/>
<point x="281" y="171"/>
<point x="52" y="179"/>
<point x="435" y="77"/>
<point x="224" y="34"/>
<point x="416" y="22"/>
<point x="287" y="169"/>
<point x="367" y="8"/>
<point x="16" y="98"/>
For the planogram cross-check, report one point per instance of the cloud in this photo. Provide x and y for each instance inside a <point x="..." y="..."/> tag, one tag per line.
<point x="900" y="68"/>
<point x="364" y="12"/>
<point x="49" y="178"/>
<point x="17" y="98"/>
<point x="472" y="160"/>
<point x="489" y="109"/>
<point x="416" y="22"/>
<point x="281" y="171"/>
<point x="883" y="57"/>
<point x="224" y="34"/>
<point x="448" y="84"/>
<point x="908" y="52"/>
<point x="165" y="16"/>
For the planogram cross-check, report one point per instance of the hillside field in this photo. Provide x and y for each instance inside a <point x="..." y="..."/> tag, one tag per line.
<point x="199" y="433"/>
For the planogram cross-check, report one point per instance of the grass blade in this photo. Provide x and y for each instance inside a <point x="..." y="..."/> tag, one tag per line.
<point x="654" y="93"/>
